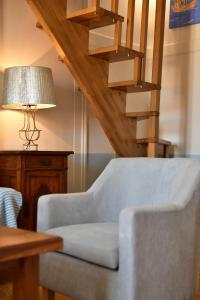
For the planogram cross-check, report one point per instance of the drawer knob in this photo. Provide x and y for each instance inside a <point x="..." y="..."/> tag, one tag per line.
<point x="45" y="162"/>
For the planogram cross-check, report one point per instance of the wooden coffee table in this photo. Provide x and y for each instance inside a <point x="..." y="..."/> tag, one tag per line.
<point x="19" y="259"/>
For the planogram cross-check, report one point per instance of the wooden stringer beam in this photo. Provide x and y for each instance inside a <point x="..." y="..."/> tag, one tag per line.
<point x="157" y="73"/>
<point x="71" y="41"/>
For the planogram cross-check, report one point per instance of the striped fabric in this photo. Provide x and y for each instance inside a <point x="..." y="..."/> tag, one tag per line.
<point x="10" y="204"/>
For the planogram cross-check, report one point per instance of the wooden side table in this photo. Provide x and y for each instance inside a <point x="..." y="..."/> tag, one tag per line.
<point x="33" y="173"/>
<point x="19" y="259"/>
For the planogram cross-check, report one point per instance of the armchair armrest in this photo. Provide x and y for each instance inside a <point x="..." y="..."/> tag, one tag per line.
<point x="158" y="251"/>
<point x="63" y="209"/>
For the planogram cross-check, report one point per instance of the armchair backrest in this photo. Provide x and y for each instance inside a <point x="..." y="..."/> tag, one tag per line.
<point x="133" y="182"/>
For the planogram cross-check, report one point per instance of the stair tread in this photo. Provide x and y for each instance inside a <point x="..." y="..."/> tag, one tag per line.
<point x="132" y="86"/>
<point x="94" y="17"/>
<point x="115" y="53"/>
<point x="142" y="115"/>
<point x="153" y="140"/>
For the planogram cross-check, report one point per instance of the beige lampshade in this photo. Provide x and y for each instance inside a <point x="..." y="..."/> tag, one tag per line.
<point x="28" y="86"/>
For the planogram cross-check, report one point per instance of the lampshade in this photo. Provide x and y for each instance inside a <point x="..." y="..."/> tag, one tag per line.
<point x="28" y="86"/>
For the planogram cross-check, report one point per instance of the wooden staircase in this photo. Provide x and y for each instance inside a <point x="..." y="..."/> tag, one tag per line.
<point x="69" y="33"/>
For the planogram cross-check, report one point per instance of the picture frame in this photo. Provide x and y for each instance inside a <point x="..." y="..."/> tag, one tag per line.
<point x="184" y="13"/>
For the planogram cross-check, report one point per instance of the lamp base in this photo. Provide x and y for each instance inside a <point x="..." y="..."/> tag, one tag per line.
<point x="30" y="146"/>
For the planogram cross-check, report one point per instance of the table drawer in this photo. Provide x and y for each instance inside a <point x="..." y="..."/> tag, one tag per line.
<point x="45" y="162"/>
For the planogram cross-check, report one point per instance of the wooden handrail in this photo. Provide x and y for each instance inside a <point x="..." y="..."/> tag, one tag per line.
<point x="118" y="33"/>
<point x="96" y="3"/>
<point x="158" y="51"/>
<point x="130" y="23"/>
<point x="137" y="69"/>
<point x="157" y="70"/>
<point x="143" y="34"/>
<point x="158" y="41"/>
<point x="114" y="6"/>
<point x="118" y="24"/>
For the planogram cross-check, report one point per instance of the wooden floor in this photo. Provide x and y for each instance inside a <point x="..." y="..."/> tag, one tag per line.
<point x="6" y="293"/>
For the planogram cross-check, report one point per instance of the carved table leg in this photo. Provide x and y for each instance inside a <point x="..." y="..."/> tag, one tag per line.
<point x="25" y="285"/>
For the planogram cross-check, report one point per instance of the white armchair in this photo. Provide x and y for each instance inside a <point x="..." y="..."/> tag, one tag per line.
<point x="132" y="236"/>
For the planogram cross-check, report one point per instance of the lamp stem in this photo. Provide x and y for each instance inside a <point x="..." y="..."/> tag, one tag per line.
<point x="29" y="132"/>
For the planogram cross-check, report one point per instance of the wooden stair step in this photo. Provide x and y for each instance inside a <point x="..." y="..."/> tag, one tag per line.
<point x="132" y="86"/>
<point x="94" y="17"/>
<point x="115" y="53"/>
<point x="142" y="115"/>
<point x="153" y="140"/>
<point x="164" y="148"/>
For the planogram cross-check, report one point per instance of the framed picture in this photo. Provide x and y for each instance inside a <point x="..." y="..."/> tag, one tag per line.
<point x="184" y="12"/>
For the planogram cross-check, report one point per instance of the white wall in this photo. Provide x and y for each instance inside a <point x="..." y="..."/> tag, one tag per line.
<point x="99" y="149"/>
<point x="69" y="126"/>
<point x="23" y="44"/>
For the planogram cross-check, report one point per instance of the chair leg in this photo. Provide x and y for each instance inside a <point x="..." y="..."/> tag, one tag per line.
<point x="48" y="294"/>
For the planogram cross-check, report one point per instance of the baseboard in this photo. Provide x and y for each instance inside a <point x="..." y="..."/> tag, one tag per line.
<point x="188" y="155"/>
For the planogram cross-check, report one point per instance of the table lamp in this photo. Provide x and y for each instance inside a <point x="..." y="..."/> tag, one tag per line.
<point x="28" y="89"/>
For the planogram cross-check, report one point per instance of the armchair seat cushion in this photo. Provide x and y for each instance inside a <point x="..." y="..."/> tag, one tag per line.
<point x="96" y="243"/>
